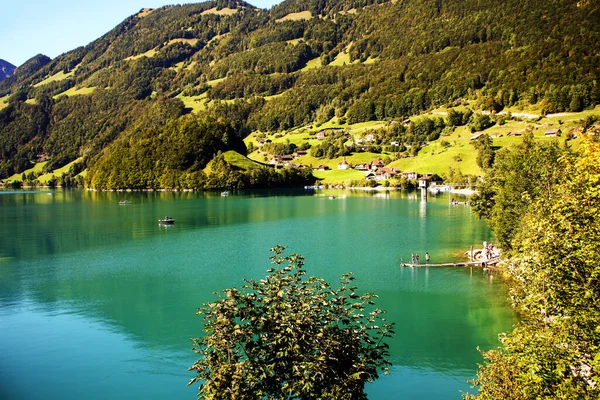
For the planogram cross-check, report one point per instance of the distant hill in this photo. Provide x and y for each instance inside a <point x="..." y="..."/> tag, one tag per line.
<point x="6" y="69"/>
<point x="240" y="69"/>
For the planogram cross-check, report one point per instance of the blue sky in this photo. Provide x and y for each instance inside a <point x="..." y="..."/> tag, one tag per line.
<point x="53" y="27"/>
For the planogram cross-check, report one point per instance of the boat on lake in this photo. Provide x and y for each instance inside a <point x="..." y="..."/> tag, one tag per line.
<point x="225" y="193"/>
<point x="124" y="202"/>
<point x="166" y="221"/>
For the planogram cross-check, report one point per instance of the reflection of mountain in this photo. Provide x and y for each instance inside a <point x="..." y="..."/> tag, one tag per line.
<point x="112" y="265"/>
<point x="6" y="69"/>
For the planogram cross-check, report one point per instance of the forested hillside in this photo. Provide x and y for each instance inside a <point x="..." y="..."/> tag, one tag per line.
<point x="206" y="75"/>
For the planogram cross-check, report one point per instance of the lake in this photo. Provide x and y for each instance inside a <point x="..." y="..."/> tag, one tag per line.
<point x="98" y="301"/>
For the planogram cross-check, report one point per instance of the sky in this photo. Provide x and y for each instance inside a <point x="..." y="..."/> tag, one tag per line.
<point x="53" y="27"/>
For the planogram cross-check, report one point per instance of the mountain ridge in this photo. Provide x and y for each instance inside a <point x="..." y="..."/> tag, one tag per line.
<point x="6" y="69"/>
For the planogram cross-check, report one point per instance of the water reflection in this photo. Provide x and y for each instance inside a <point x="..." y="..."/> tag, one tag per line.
<point x="111" y="267"/>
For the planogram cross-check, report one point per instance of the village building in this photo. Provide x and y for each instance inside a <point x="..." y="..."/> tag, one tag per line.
<point x="262" y="142"/>
<point x="320" y="135"/>
<point x="377" y="164"/>
<point x="514" y="134"/>
<point x="370" y="176"/>
<point x="322" y="168"/>
<point x="343" y="164"/>
<point x="410" y="175"/>
<point x="362" y="167"/>
<point x="553" y="132"/>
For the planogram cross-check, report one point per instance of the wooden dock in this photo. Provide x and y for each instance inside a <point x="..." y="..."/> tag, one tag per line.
<point x="483" y="264"/>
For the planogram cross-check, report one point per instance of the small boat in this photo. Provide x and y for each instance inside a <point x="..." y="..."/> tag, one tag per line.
<point x="332" y="197"/>
<point x="225" y="193"/>
<point x="166" y="220"/>
<point x="124" y="202"/>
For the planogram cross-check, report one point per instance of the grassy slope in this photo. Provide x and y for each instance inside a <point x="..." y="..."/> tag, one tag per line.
<point x="235" y="158"/>
<point x="74" y="91"/>
<point x="433" y="158"/>
<point x="296" y="16"/>
<point x="43" y="179"/>
<point x="59" y="76"/>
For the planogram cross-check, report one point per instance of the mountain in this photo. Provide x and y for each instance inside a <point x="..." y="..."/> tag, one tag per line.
<point x="168" y="89"/>
<point x="6" y="69"/>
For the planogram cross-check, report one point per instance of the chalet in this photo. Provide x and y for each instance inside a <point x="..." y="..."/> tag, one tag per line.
<point x="343" y="164"/>
<point x="274" y="160"/>
<point x="286" y="158"/>
<point x="553" y="132"/>
<point x="322" y="168"/>
<point x="476" y="136"/>
<point x="300" y="153"/>
<point x="388" y="173"/>
<point x="362" y="167"/>
<point x="377" y="164"/>
<point x="499" y="135"/>
<point x="395" y="144"/>
<point x="410" y="175"/>
<point x="514" y="134"/>
<point x="321" y="135"/>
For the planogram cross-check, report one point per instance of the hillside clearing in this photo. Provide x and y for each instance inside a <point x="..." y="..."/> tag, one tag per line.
<point x="223" y="11"/>
<point x="74" y="91"/>
<point x="59" y="76"/>
<point x="296" y="16"/>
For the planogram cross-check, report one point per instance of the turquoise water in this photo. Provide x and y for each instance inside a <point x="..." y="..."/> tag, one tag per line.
<point x="98" y="301"/>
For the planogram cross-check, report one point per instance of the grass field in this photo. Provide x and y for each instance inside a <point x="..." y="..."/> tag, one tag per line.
<point x="311" y="64"/>
<point x="215" y="81"/>
<point x="338" y="176"/>
<point x="3" y="102"/>
<point x="191" y="42"/>
<point x="44" y="179"/>
<point x="74" y="91"/>
<point x="296" y="16"/>
<point x="223" y="11"/>
<point x="149" y="53"/>
<point x="37" y="168"/>
<point x="343" y="58"/>
<point x="196" y="103"/>
<point x="56" y="77"/>
<point x="235" y="158"/>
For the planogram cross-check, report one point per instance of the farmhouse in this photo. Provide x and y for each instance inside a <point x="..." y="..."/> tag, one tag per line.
<point x="377" y="164"/>
<point x="553" y="132"/>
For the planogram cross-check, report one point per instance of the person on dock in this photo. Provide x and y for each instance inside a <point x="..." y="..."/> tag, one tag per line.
<point x="427" y="258"/>
<point x="417" y="258"/>
<point x="412" y="258"/>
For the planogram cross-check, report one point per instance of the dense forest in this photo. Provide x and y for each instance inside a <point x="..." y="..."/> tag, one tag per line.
<point x="128" y="92"/>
